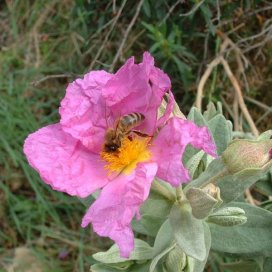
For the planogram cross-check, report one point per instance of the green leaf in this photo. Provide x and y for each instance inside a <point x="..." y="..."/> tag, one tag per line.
<point x="201" y="202"/>
<point x="176" y="260"/>
<point x="265" y="135"/>
<point x="228" y="216"/>
<point x="163" y="244"/>
<point x="214" y="168"/>
<point x="222" y="135"/>
<point x="243" y="265"/>
<point x="158" y="258"/>
<point x="196" y="116"/>
<point x="210" y="112"/>
<point x="132" y="267"/>
<point x="164" y="238"/>
<point x="102" y="268"/>
<point x="264" y="186"/>
<point x="252" y="238"/>
<point x="194" y="162"/>
<point x="142" y="251"/>
<point x="188" y="231"/>
<point x="87" y="201"/>
<point x="194" y="265"/>
<point x="146" y="8"/>
<point x="232" y="186"/>
<point x="267" y="265"/>
<point x="154" y="212"/>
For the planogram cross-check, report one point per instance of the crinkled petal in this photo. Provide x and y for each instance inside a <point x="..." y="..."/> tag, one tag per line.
<point x="63" y="162"/>
<point x="83" y="112"/>
<point x="137" y="88"/>
<point x="168" y="110"/>
<point x="118" y="203"/>
<point x="168" y="147"/>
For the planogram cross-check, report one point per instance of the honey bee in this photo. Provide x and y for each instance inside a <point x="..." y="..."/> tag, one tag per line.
<point x="125" y="124"/>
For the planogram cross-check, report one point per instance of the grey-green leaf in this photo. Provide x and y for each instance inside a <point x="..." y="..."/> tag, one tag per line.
<point x="157" y="259"/>
<point x="222" y="135"/>
<point x="214" y="168"/>
<point x="142" y="251"/>
<point x="232" y="186"/>
<point x="194" y="161"/>
<point x="154" y="212"/>
<point x="176" y="260"/>
<point x="194" y="265"/>
<point x="252" y="238"/>
<point x="201" y="202"/>
<point x="164" y="238"/>
<point x="188" y="231"/>
<point x="196" y="116"/>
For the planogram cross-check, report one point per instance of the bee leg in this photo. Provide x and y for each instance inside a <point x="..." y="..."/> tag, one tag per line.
<point x="141" y="134"/>
<point x="130" y="137"/>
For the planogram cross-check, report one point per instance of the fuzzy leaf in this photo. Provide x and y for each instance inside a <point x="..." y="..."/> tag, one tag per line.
<point x="133" y="267"/>
<point x="193" y="163"/>
<point x="213" y="169"/>
<point x="188" y="231"/>
<point x="164" y="238"/>
<point x="243" y="265"/>
<point x="157" y="259"/>
<point x="210" y="112"/>
<point x="222" y="135"/>
<point x="154" y="212"/>
<point x="252" y="238"/>
<point x="176" y="260"/>
<point x="193" y="265"/>
<point x="142" y="251"/>
<point x="232" y="186"/>
<point x="196" y="116"/>
<point x="201" y="202"/>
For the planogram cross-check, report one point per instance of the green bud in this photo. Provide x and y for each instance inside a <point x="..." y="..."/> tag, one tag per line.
<point x="176" y="260"/>
<point x="229" y="216"/>
<point x="247" y="154"/>
<point x="203" y="201"/>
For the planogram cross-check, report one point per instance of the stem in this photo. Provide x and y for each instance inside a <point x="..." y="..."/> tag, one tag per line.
<point x="180" y="194"/>
<point x="163" y="190"/>
<point x="215" y="178"/>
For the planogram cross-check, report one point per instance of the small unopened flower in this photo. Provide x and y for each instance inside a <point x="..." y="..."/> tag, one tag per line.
<point x="247" y="154"/>
<point x="71" y="156"/>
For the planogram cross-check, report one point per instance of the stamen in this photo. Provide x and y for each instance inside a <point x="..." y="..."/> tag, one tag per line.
<point x="128" y="155"/>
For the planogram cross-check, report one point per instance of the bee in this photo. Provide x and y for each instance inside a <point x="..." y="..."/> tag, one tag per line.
<point x="125" y="124"/>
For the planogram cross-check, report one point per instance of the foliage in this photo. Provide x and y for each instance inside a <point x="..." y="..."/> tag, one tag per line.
<point x="183" y="241"/>
<point x="52" y="42"/>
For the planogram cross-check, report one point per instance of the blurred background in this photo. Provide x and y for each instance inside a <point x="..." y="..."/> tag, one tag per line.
<point x="46" y="44"/>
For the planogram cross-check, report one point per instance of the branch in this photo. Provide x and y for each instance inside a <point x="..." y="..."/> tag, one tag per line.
<point x="126" y="34"/>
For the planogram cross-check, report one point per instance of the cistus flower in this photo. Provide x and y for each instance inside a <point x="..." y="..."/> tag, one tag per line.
<point x="70" y="155"/>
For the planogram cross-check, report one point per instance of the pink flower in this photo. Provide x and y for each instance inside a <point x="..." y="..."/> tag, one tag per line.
<point x="69" y="155"/>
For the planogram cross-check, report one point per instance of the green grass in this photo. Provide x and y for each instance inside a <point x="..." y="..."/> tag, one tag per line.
<point x="42" y="38"/>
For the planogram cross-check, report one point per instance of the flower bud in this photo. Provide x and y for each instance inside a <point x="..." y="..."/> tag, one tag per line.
<point x="229" y="216"/>
<point x="176" y="260"/>
<point x="203" y="200"/>
<point x="247" y="154"/>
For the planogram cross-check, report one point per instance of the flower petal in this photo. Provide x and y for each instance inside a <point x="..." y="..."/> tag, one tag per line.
<point x="63" y="162"/>
<point x="168" y="110"/>
<point x="137" y="88"/>
<point x="168" y="147"/>
<point x="118" y="203"/>
<point x="83" y="112"/>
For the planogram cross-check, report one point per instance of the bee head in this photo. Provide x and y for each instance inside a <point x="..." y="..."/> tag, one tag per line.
<point x="111" y="147"/>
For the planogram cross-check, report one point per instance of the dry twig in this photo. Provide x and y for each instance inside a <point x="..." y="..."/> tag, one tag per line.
<point x="138" y="9"/>
<point x="101" y="48"/>
<point x="38" y="82"/>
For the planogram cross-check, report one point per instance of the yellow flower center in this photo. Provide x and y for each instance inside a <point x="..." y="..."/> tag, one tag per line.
<point x="128" y="155"/>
